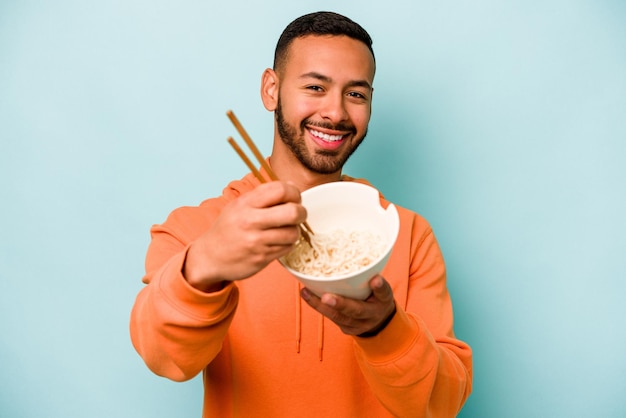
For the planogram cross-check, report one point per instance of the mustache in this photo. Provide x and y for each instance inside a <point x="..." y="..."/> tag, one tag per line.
<point x="342" y="126"/>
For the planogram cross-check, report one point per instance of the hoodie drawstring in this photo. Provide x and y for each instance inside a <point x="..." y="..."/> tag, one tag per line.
<point x="298" y="317"/>
<point x="320" y="337"/>
<point x="320" y="327"/>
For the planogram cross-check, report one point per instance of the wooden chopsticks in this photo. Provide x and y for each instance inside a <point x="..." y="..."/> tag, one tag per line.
<point x="304" y="227"/>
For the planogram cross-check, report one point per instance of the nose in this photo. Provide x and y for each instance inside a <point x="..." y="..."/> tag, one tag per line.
<point x="334" y="109"/>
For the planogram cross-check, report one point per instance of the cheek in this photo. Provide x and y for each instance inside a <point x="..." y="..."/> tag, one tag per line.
<point x="295" y="109"/>
<point x="304" y="108"/>
<point x="361" y="118"/>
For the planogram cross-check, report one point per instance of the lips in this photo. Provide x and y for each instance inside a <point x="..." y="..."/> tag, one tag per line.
<point x="326" y="140"/>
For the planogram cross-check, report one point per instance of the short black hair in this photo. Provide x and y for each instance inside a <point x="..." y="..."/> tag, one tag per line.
<point x="319" y="23"/>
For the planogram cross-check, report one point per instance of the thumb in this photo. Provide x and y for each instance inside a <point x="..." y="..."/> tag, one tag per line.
<point x="381" y="288"/>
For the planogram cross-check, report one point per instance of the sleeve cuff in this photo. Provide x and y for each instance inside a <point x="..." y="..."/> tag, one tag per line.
<point x="185" y="298"/>
<point x="396" y="338"/>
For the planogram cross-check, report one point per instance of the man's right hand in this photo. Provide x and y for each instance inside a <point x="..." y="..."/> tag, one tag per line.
<point x="251" y="231"/>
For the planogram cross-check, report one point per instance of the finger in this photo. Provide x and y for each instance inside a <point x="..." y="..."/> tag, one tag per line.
<point x="282" y="215"/>
<point x="285" y="237"/>
<point x="271" y="194"/>
<point x="351" y="309"/>
<point x="324" y="304"/>
<point x="381" y="289"/>
<point x="277" y="251"/>
<point x="311" y="298"/>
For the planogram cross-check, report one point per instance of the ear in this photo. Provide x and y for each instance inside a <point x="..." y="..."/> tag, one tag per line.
<point x="269" y="89"/>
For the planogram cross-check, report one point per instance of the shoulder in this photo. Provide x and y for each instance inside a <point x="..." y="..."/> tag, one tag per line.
<point x="188" y="222"/>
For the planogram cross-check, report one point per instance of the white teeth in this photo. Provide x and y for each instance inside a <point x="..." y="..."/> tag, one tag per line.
<point x="326" y="137"/>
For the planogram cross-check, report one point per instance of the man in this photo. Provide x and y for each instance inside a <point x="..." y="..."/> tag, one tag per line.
<point x="217" y="301"/>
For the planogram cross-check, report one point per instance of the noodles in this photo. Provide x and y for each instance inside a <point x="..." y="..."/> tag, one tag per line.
<point x="335" y="253"/>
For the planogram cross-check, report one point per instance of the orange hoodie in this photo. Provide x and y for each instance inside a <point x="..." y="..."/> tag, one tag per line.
<point x="264" y="353"/>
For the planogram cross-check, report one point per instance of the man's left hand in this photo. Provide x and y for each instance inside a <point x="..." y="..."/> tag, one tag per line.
<point x="356" y="317"/>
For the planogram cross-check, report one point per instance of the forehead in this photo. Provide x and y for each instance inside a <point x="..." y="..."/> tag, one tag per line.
<point x="331" y="55"/>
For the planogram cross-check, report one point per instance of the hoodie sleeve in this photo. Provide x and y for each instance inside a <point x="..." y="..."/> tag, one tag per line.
<point x="176" y="329"/>
<point x="416" y="366"/>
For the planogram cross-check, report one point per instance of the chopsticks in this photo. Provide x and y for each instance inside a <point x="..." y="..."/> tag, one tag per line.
<point x="304" y="227"/>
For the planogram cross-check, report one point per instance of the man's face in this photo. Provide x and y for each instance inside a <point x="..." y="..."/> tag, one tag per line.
<point x="324" y="102"/>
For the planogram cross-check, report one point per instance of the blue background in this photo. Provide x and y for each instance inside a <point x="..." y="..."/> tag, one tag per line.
<point x="503" y="123"/>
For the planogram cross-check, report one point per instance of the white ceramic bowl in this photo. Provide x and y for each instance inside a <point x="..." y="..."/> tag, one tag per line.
<point x="349" y="206"/>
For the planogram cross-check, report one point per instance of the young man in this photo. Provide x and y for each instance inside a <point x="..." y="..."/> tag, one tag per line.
<point x="217" y="301"/>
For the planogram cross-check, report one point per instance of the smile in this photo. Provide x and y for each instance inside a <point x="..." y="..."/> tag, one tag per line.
<point x="326" y="137"/>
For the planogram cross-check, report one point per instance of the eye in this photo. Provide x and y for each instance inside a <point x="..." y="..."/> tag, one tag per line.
<point x="315" y="88"/>
<point x="357" y="95"/>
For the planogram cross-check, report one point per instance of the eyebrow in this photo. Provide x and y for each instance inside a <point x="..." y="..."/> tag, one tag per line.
<point x="326" y="79"/>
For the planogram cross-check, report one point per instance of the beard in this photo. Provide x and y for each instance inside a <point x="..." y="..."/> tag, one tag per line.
<point x="321" y="161"/>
